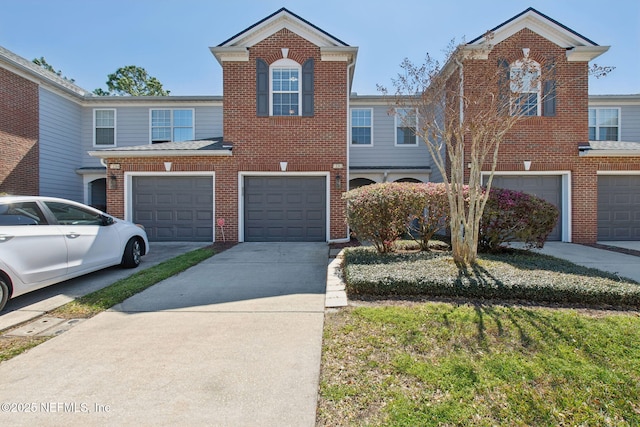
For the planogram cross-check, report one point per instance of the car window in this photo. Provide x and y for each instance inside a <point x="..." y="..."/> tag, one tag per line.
<point x="21" y="213"/>
<point x="73" y="215"/>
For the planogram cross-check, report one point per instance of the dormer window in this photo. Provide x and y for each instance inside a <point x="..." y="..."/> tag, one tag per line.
<point x="525" y="84"/>
<point x="286" y="96"/>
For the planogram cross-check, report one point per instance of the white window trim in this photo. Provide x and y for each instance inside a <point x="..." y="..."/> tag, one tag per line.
<point x="285" y="63"/>
<point x="597" y="109"/>
<point x="115" y="123"/>
<point x="533" y="64"/>
<point x="193" y="116"/>
<point x="351" y="144"/>
<point x="397" y="122"/>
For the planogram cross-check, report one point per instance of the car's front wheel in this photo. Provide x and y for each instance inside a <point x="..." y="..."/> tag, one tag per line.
<point x="4" y="292"/>
<point x="132" y="253"/>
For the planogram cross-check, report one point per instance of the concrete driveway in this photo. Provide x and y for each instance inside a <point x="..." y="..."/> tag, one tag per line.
<point x="36" y="303"/>
<point x="234" y="341"/>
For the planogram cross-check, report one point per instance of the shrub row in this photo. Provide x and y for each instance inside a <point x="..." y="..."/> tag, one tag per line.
<point x="381" y="213"/>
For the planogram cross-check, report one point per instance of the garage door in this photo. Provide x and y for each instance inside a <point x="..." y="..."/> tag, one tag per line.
<point x="174" y="209"/>
<point x="284" y="209"/>
<point x="547" y="187"/>
<point x="619" y="207"/>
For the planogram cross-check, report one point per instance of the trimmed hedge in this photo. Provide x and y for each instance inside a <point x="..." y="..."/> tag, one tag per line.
<point x="518" y="275"/>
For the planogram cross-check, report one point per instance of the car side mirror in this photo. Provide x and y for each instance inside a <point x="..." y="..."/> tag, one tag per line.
<point x="107" y="220"/>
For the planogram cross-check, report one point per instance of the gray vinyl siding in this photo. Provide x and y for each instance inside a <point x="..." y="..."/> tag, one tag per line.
<point x="60" y="149"/>
<point x="133" y="126"/>
<point x="630" y="123"/>
<point x="384" y="152"/>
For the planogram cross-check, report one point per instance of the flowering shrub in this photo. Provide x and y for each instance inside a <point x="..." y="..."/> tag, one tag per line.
<point x="378" y="213"/>
<point x="515" y="216"/>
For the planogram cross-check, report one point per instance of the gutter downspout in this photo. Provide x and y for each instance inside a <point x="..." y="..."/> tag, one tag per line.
<point x="347" y="173"/>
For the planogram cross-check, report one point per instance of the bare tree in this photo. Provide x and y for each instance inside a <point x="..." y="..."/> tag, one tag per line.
<point x="463" y="109"/>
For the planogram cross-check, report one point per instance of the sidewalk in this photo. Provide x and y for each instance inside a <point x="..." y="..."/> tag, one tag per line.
<point x="234" y="341"/>
<point x="601" y="259"/>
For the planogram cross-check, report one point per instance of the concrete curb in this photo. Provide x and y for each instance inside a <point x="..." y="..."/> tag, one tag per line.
<point x="335" y="296"/>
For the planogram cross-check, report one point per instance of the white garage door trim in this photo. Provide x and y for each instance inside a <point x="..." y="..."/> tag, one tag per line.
<point x="242" y="175"/>
<point x="128" y="190"/>
<point x="566" y="195"/>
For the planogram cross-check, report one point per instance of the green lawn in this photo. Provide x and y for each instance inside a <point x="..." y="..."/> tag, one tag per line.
<point x="499" y="354"/>
<point x="422" y="364"/>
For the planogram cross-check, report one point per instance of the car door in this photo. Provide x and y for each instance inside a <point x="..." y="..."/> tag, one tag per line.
<point x="91" y="244"/>
<point x="32" y="249"/>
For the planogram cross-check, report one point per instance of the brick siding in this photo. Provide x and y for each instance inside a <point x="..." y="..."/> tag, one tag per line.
<point x="19" y="133"/>
<point x="308" y="144"/>
<point x="551" y="143"/>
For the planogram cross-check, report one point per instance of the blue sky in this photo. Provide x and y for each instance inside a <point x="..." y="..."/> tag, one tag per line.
<point x="88" y="39"/>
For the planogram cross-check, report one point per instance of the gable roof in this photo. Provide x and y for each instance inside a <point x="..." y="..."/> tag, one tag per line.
<point x="236" y="47"/>
<point x="579" y="48"/>
<point x="275" y="22"/>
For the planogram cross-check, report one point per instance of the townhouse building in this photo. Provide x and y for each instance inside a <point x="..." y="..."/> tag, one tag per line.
<point x="270" y="159"/>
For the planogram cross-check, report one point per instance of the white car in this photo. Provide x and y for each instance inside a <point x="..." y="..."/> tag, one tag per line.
<point x="46" y="240"/>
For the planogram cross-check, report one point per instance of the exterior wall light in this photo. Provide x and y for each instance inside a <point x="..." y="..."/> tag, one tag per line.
<point x="113" y="182"/>
<point x="338" y="182"/>
<point x="527" y="165"/>
<point x="283" y="166"/>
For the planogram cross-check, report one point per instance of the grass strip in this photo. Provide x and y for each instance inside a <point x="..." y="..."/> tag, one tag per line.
<point x="105" y="298"/>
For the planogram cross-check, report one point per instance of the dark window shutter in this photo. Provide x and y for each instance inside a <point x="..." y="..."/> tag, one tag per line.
<point x="307" y="87"/>
<point x="549" y="90"/>
<point x="504" y="89"/>
<point x="262" y="88"/>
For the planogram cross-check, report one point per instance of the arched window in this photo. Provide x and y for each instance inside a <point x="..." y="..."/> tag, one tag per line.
<point x="285" y="82"/>
<point x="284" y="88"/>
<point x="524" y="78"/>
<point x="359" y="182"/>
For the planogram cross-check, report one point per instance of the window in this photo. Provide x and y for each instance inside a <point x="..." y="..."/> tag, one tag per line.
<point x="104" y="124"/>
<point x="604" y="124"/>
<point x="361" y="126"/>
<point x="525" y="88"/>
<point x="284" y="88"/>
<point x="406" y="122"/>
<point x="171" y="125"/>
